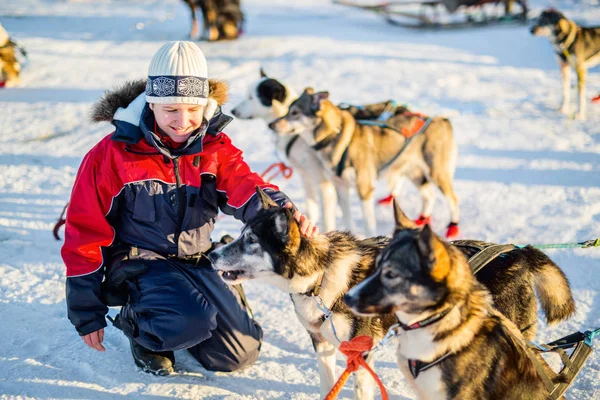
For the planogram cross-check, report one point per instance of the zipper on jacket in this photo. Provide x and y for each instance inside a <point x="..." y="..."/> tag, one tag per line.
<point x="180" y="200"/>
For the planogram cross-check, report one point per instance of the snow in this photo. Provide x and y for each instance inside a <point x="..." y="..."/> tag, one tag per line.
<point x="525" y="173"/>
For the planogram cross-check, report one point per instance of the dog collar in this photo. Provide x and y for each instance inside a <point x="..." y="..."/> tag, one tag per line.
<point x="316" y="289"/>
<point x="288" y="148"/>
<point x="425" y="322"/>
<point x="418" y="366"/>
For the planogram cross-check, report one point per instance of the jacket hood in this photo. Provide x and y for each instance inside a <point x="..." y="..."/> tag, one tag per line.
<point x="125" y="107"/>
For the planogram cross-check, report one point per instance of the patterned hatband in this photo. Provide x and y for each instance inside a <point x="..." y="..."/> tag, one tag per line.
<point x="177" y="86"/>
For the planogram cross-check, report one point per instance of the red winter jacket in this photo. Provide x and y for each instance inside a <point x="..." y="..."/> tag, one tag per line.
<point x="132" y="190"/>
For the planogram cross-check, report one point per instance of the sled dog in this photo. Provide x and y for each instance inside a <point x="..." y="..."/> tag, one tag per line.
<point x="576" y="47"/>
<point x="222" y="19"/>
<point x="9" y="64"/>
<point x="269" y="99"/>
<point x="455" y="344"/>
<point x="361" y="153"/>
<point x="271" y="249"/>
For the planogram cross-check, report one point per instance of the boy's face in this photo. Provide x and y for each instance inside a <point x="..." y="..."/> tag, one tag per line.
<point x="178" y="121"/>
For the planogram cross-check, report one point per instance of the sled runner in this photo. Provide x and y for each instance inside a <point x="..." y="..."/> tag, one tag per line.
<point x="446" y="14"/>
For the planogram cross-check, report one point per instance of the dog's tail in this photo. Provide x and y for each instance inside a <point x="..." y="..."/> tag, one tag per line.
<point x="551" y="285"/>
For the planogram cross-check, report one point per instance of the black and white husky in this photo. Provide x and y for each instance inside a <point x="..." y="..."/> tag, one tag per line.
<point x="318" y="272"/>
<point x="269" y="99"/>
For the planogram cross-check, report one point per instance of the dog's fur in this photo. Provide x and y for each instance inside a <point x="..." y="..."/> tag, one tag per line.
<point x="429" y="160"/>
<point x="10" y="67"/>
<point x="269" y="99"/>
<point x="222" y="19"/>
<point x="418" y="275"/>
<point x="576" y="47"/>
<point x="270" y="248"/>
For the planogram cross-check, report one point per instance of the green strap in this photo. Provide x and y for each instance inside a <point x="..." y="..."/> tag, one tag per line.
<point x="578" y="245"/>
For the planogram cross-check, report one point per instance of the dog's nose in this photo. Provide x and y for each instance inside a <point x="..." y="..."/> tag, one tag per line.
<point x="532" y="30"/>
<point x="235" y="112"/>
<point x="272" y="125"/>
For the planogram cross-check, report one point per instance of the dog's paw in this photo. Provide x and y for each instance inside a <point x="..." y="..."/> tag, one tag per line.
<point x="580" y="116"/>
<point x="453" y="231"/>
<point x="564" y="110"/>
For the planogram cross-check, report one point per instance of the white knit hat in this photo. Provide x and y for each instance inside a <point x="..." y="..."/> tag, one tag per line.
<point x="178" y="74"/>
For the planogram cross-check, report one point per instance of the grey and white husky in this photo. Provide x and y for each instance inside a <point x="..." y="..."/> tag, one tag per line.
<point x="362" y="153"/>
<point x="457" y="343"/>
<point x="323" y="269"/>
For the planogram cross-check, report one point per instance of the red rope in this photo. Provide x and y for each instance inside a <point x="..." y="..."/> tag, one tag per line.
<point x="283" y="169"/>
<point x="354" y="350"/>
<point x="61" y="221"/>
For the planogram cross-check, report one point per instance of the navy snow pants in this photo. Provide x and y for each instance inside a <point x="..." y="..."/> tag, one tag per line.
<point x="174" y="305"/>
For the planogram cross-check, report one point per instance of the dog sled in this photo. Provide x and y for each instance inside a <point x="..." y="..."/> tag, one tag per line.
<point x="446" y="14"/>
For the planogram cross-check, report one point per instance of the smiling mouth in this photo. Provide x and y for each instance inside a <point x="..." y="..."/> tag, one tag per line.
<point x="231" y="275"/>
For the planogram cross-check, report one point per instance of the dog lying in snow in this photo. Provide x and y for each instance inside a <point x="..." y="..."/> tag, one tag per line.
<point x="455" y="344"/>
<point x="323" y="269"/>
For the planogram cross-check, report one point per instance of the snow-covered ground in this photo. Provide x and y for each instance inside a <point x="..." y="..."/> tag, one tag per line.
<point x="525" y="173"/>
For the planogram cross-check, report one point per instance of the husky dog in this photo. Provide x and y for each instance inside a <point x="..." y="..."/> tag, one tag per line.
<point x="322" y="269"/>
<point x="455" y="344"/>
<point x="362" y="153"/>
<point x="269" y="99"/>
<point x="576" y="47"/>
<point x="222" y="19"/>
<point x="9" y="64"/>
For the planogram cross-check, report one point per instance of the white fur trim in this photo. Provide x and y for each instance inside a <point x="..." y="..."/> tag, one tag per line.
<point x="132" y="112"/>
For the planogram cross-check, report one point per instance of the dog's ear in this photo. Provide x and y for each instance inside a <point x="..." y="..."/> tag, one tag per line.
<point x="308" y="91"/>
<point x="425" y="243"/>
<point x="265" y="201"/>
<point x="317" y="100"/>
<point x="563" y="25"/>
<point x="402" y="221"/>
<point x="262" y="73"/>
<point x="434" y="255"/>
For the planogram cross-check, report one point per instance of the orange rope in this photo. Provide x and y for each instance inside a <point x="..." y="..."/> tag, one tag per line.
<point x="354" y="350"/>
<point x="283" y="169"/>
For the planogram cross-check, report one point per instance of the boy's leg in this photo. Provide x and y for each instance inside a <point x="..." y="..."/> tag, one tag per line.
<point x="236" y="341"/>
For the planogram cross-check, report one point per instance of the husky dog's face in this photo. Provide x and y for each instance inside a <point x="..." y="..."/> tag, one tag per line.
<point x="403" y="280"/>
<point x="302" y="115"/>
<point x="409" y="273"/>
<point x="260" y="250"/>
<point x="263" y="95"/>
<point x="548" y="23"/>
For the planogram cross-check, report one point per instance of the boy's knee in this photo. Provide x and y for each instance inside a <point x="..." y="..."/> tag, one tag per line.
<point x="230" y="355"/>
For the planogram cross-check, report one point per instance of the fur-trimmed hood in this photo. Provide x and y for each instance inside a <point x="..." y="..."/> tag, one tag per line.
<point x="126" y="108"/>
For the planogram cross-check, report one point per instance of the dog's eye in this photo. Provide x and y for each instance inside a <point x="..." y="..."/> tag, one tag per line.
<point x="252" y="238"/>
<point x="390" y="274"/>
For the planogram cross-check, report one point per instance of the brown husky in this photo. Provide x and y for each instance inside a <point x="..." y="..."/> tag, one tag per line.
<point x="362" y="153"/>
<point x="577" y="47"/>
<point x="9" y="65"/>
<point x="455" y="344"/>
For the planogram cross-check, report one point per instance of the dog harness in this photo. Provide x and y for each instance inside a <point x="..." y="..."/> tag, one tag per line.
<point x="418" y="366"/>
<point x="580" y="342"/>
